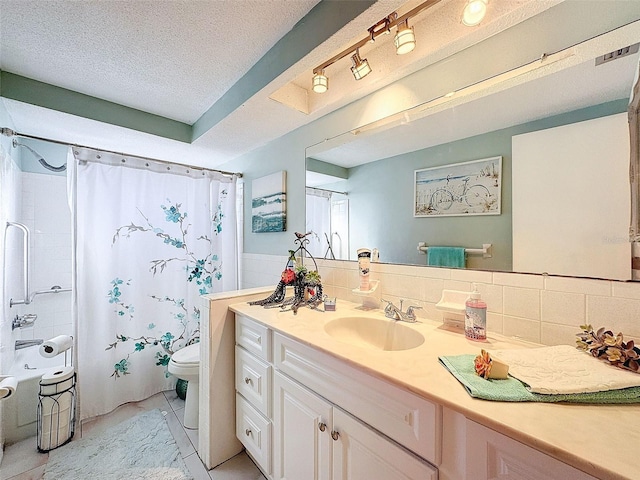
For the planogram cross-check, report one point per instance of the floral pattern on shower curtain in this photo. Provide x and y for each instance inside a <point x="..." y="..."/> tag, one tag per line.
<point x="149" y="244"/>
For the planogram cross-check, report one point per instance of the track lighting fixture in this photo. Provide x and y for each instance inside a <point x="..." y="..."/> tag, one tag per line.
<point x="320" y="82"/>
<point x="360" y="67"/>
<point x="405" y="39"/>
<point x="474" y="11"/>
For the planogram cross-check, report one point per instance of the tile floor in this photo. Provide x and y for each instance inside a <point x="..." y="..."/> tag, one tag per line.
<point x="23" y="462"/>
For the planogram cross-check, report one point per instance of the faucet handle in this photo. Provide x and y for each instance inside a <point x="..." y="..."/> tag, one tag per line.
<point x="411" y="308"/>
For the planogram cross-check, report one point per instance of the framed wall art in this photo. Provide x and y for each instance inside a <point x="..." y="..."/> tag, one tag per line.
<point x="468" y="188"/>
<point x="268" y="203"/>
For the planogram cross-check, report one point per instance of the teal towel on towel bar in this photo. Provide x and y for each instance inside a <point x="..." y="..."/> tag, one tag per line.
<point x="513" y="390"/>
<point x="453" y="257"/>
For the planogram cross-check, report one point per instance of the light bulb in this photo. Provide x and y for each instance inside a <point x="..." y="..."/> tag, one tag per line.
<point x="405" y="39"/>
<point x="320" y="82"/>
<point x="474" y="11"/>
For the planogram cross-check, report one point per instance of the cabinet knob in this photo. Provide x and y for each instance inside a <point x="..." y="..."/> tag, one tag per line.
<point x="335" y="435"/>
<point x="322" y="426"/>
<point x="247" y="432"/>
<point x="247" y="380"/>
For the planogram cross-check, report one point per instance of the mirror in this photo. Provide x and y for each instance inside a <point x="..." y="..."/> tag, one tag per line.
<point x="361" y="184"/>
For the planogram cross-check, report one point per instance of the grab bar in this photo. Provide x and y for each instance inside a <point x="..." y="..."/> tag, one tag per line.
<point x="54" y="289"/>
<point x="26" y="255"/>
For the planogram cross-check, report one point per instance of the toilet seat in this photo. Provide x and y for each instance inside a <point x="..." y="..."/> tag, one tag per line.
<point x="189" y="355"/>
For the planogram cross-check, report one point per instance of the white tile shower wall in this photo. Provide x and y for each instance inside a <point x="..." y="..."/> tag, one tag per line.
<point x="46" y="212"/>
<point x="537" y="308"/>
<point x="12" y="282"/>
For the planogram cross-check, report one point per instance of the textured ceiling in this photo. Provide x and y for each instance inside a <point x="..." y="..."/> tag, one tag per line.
<point x="171" y="58"/>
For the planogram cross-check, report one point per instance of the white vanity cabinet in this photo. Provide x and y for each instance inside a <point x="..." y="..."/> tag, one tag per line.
<point x="254" y="391"/>
<point x="302" y="432"/>
<point x="310" y="407"/>
<point x="291" y="415"/>
<point x="315" y="440"/>
<point x="474" y="452"/>
<point x="314" y="436"/>
<point x="493" y="456"/>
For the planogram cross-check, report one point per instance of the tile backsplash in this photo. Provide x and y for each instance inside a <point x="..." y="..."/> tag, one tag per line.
<point x="538" y="308"/>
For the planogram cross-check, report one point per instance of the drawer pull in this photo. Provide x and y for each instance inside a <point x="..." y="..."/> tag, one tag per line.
<point x="247" y="380"/>
<point x="335" y="435"/>
<point x="322" y="426"/>
<point x="247" y="432"/>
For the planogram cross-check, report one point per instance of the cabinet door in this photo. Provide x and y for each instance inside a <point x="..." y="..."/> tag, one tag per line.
<point x="493" y="456"/>
<point x="360" y="453"/>
<point x="302" y="432"/>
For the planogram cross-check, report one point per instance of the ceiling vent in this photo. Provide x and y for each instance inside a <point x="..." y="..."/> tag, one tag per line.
<point x="616" y="54"/>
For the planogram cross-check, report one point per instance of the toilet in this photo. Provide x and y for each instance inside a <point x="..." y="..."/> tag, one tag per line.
<point x="185" y="364"/>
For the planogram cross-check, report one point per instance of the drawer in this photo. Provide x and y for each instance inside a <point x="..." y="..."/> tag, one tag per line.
<point x="408" y="419"/>
<point x="254" y="337"/>
<point x="253" y="380"/>
<point x="254" y="432"/>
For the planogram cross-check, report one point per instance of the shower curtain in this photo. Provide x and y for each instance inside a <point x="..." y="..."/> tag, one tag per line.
<point x="318" y="214"/>
<point x="149" y="240"/>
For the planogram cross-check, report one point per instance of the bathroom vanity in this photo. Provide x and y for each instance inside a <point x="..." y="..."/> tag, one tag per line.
<point x="317" y="397"/>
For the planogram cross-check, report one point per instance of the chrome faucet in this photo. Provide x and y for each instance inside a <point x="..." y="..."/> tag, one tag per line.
<point x="20" y="344"/>
<point x="25" y="320"/>
<point x="391" y="311"/>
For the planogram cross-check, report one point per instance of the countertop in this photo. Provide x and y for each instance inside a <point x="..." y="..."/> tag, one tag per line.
<point x="601" y="440"/>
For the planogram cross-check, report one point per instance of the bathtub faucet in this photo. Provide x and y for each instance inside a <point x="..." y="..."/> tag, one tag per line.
<point x="25" y="320"/>
<point x="28" y="343"/>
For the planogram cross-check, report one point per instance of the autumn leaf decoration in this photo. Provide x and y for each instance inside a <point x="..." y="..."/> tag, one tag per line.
<point x="606" y="346"/>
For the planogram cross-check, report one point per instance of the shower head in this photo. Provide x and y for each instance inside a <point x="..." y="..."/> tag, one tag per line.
<point x="40" y="158"/>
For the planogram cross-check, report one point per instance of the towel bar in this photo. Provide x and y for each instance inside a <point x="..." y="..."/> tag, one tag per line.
<point x="485" y="251"/>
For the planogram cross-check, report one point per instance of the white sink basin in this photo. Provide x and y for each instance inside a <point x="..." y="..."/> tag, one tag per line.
<point x="374" y="333"/>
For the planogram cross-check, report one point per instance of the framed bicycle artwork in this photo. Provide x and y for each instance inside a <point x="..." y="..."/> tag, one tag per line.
<point x="468" y="188"/>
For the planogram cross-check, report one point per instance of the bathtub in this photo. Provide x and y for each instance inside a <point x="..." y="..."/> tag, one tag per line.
<point x="20" y="411"/>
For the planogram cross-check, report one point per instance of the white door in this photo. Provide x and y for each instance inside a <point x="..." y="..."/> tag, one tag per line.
<point x="302" y="432"/>
<point x="360" y="453"/>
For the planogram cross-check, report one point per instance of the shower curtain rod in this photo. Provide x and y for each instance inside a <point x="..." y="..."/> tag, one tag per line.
<point x="11" y="133"/>
<point x="327" y="190"/>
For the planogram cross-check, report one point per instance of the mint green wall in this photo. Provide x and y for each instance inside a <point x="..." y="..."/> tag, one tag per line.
<point x="42" y="94"/>
<point x="325" y="168"/>
<point x="53" y="153"/>
<point x="381" y="197"/>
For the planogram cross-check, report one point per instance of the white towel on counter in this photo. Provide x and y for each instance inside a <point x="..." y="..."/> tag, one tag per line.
<point x="564" y="369"/>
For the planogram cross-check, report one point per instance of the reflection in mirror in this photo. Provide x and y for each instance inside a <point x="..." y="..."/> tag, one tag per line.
<point x="562" y="133"/>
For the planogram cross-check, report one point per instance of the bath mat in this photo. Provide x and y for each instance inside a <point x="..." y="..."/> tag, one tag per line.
<point x="513" y="390"/>
<point x="139" y="448"/>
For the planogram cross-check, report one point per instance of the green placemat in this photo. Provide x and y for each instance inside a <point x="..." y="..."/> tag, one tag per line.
<point x="513" y="390"/>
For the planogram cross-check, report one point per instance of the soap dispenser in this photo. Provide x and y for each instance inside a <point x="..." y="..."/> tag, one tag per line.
<point x="475" y="318"/>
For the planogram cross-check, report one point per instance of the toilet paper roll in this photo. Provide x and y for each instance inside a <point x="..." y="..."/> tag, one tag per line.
<point x="56" y="345"/>
<point x="57" y="380"/>
<point x="8" y="387"/>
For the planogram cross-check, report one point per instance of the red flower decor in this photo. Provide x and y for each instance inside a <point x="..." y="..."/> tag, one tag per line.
<point x="482" y="364"/>
<point x="288" y="276"/>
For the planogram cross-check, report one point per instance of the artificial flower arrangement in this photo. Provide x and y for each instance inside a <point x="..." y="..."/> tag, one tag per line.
<point x="488" y="367"/>
<point x="604" y="345"/>
<point x="306" y="283"/>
